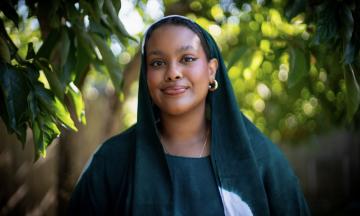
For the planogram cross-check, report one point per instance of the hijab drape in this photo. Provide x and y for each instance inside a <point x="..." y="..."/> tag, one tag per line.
<point x="244" y="160"/>
<point x="252" y="175"/>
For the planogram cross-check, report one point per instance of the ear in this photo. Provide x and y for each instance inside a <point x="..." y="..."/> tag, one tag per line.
<point x="213" y="66"/>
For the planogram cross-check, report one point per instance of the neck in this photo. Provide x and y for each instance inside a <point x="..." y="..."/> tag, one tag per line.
<point x="184" y="135"/>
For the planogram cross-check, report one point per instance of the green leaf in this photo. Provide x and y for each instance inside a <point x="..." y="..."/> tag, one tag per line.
<point x="93" y="12"/>
<point x="63" y="46"/>
<point x="327" y="24"/>
<point x="44" y="132"/>
<point x="10" y="12"/>
<point x="110" y="61"/>
<point x="117" y="5"/>
<point x="352" y="92"/>
<point x="347" y="21"/>
<point x="69" y="73"/>
<point x="59" y="53"/>
<point x="48" y="45"/>
<point x="347" y="26"/>
<point x="4" y="51"/>
<point x="299" y="65"/>
<point x="10" y="44"/>
<point x="76" y="98"/>
<point x="84" y="41"/>
<point x="98" y="7"/>
<point x="43" y="125"/>
<point x="54" y="106"/>
<point x="32" y="73"/>
<point x="49" y="11"/>
<point x="52" y="77"/>
<point x="109" y="7"/>
<point x="30" y="51"/>
<point x="33" y="106"/>
<point x="14" y="90"/>
<point x="83" y="58"/>
<point x="99" y="28"/>
<point x="73" y="13"/>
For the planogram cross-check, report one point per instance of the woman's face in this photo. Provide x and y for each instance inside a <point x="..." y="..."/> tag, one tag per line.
<point x="178" y="72"/>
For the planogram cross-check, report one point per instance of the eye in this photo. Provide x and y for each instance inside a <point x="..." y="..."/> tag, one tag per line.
<point x="187" y="59"/>
<point x="157" y="63"/>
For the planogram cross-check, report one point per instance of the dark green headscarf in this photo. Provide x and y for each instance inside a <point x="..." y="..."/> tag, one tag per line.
<point x="133" y="176"/>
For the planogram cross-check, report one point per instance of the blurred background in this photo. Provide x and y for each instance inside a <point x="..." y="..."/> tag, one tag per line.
<point x="69" y="72"/>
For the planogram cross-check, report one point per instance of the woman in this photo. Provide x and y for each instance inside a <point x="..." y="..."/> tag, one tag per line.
<point x="191" y="152"/>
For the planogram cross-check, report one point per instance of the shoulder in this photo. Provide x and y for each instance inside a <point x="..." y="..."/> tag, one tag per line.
<point x="268" y="156"/>
<point x="114" y="154"/>
<point x="119" y="145"/>
<point x="103" y="179"/>
<point x="261" y="145"/>
<point x="277" y="175"/>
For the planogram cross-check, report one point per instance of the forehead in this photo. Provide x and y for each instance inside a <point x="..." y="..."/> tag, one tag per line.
<point x="171" y="37"/>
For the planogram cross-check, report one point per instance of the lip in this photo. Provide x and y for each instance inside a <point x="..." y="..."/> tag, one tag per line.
<point x="174" y="90"/>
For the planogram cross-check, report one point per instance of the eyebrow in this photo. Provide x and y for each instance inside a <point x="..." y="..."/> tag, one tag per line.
<point x="155" y="52"/>
<point x="185" y="48"/>
<point x="181" y="49"/>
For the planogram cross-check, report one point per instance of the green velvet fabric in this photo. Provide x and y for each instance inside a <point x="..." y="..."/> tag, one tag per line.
<point x="129" y="174"/>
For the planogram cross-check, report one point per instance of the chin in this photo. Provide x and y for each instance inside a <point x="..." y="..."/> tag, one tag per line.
<point x="181" y="109"/>
<point x="174" y="111"/>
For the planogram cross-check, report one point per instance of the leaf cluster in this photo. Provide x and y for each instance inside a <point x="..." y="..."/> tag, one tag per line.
<point x="336" y="28"/>
<point x="36" y="90"/>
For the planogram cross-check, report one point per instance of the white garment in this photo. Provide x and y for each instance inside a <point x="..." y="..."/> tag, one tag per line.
<point x="233" y="204"/>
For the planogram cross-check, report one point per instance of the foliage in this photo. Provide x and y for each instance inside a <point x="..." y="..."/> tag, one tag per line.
<point x="36" y="88"/>
<point x="294" y="64"/>
<point x="288" y="80"/>
<point x="337" y="26"/>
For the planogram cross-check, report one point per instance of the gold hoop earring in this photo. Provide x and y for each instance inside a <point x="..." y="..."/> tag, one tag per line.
<point x="213" y="86"/>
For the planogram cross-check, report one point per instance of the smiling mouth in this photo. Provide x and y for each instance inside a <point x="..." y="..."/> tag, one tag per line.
<point x="174" y="90"/>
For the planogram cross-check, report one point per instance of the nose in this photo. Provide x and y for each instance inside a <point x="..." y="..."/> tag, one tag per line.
<point x="173" y="72"/>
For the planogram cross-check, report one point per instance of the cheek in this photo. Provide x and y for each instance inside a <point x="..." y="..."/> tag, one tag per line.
<point x="200" y="74"/>
<point x="153" y="80"/>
